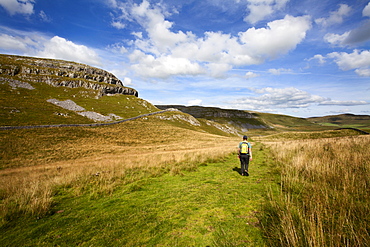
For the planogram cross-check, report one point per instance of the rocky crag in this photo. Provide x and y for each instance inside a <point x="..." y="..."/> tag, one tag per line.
<point x="241" y="119"/>
<point x="61" y="73"/>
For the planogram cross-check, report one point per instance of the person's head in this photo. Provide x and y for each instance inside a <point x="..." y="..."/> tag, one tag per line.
<point x="245" y="138"/>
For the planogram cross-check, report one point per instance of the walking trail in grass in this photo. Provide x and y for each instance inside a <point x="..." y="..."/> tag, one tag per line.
<point x="212" y="206"/>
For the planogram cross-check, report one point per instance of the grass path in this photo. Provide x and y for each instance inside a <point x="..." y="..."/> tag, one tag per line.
<point x="213" y="206"/>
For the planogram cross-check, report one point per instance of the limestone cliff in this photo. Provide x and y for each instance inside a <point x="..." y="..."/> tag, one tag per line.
<point x="62" y="73"/>
<point x="241" y="119"/>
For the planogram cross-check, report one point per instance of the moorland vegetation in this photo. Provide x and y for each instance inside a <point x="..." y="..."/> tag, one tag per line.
<point x="172" y="179"/>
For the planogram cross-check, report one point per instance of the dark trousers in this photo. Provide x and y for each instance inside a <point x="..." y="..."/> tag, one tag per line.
<point x="244" y="163"/>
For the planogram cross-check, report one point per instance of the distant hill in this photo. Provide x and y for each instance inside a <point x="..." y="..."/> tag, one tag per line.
<point x="343" y="120"/>
<point x="242" y="120"/>
<point x="247" y="120"/>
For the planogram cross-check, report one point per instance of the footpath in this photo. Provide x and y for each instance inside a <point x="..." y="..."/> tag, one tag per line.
<point x="213" y="206"/>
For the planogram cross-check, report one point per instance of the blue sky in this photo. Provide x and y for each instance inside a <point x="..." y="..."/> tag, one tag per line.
<point x="296" y="57"/>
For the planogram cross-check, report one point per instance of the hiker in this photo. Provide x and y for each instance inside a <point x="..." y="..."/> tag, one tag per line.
<point x="245" y="155"/>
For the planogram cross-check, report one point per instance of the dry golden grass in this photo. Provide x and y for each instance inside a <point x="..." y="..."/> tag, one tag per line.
<point x="325" y="193"/>
<point x="36" y="163"/>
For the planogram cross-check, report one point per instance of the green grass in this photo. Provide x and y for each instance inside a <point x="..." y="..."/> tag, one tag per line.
<point x="30" y="107"/>
<point x="310" y="135"/>
<point x="209" y="206"/>
<point x="343" y="120"/>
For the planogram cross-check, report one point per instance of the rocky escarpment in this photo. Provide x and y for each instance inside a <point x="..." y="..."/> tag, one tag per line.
<point x="209" y="112"/>
<point x="240" y="119"/>
<point x="62" y="73"/>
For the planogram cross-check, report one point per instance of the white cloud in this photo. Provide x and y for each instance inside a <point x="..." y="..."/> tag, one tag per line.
<point x="118" y="24"/>
<point x="12" y="43"/>
<point x="127" y="81"/>
<point x="273" y="98"/>
<point x="344" y="103"/>
<point x="354" y="60"/>
<point x="18" y="6"/>
<point x="218" y="70"/>
<point x="319" y="58"/>
<point x="163" y="66"/>
<point x="279" y="37"/>
<point x="280" y="98"/>
<point x="280" y="71"/>
<point x="259" y="9"/>
<point x="364" y="72"/>
<point x="366" y="10"/>
<point x="158" y="29"/>
<point x="336" y="39"/>
<point x="162" y="53"/>
<point x="250" y="75"/>
<point x="357" y="35"/>
<point x="335" y="17"/>
<point x="60" y="48"/>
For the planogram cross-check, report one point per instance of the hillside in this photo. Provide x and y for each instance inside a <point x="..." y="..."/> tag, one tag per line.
<point x="35" y="91"/>
<point x="253" y="122"/>
<point x="343" y="120"/>
<point x="242" y="120"/>
<point x="47" y="91"/>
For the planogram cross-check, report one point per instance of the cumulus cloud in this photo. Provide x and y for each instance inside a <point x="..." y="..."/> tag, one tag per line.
<point x="13" y="43"/>
<point x="364" y="72"/>
<point x="366" y="10"/>
<point x="357" y="35"/>
<point x="354" y="60"/>
<point x="162" y="53"/>
<point x="250" y="75"/>
<point x="320" y="58"/>
<point x="335" y="17"/>
<point x="60" y="48"/>
<point x="18" y="7"/>
<point x="127" y="81"/>
<point x="279" y="37"/>
<point x="336" y="39"/>
<point x="260" y="9"/>
<point x="163" y="66"/>
<point x="352" y="37"/>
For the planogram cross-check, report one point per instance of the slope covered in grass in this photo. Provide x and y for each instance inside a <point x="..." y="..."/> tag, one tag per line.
<point x="208" y="204"/>
<point x="344" y="120"/>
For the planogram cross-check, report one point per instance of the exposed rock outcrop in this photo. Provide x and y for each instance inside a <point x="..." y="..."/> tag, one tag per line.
<point x="242" y="120"/>
<point x="62" y="73"/>
<point x="209" y="112"/>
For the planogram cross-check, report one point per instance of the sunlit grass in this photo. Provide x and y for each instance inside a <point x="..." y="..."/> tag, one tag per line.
<point x="37" y="163"/>
<point x="325" y="193"/>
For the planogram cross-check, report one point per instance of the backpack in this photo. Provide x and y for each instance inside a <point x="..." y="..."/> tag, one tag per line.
<point x="244" y="148"/>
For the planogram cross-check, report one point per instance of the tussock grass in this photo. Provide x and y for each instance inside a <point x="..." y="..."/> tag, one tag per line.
<point x="39" y="164"/>
<point x="212" y="206"/>
<point x="325" y="193"/>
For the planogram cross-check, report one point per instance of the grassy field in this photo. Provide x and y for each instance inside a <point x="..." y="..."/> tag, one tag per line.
<point x="124" y="185"/>
<point x="344" y="121"/>
<point x="158" y="181"/>
<point x="212" y="205"/>
<point x="325" y="192"/>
